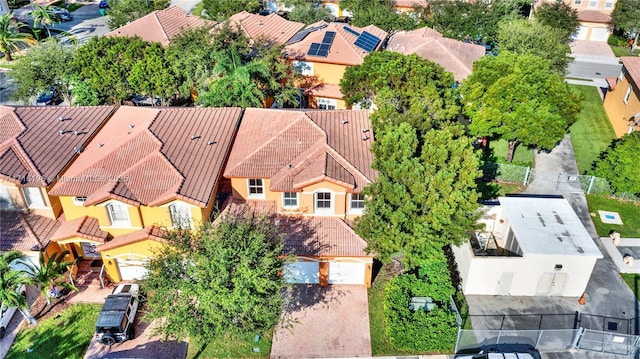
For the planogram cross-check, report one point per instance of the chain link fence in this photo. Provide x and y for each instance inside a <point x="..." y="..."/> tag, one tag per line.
<point x="542" y="340"/>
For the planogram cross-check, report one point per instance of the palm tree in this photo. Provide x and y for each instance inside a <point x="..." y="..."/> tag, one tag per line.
<point x="51" y="273"/>
<point x="10" y="36"/>
<point x="43" y="15"/>
<point x="10" y="280"/>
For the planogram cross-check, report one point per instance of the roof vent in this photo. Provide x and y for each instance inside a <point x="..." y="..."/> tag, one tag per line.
<point x="77" y="133"/>
<point x="289" y="165"/>
<point x="62" y="132"/>
<point x="100" y="144"/>
<point x="211" y="143"/>
<point x="61" y="118"/>
<point x="131" y="125"/>
<point x="78" y="149"/>
<point x="365" y="137"/>
<point x="344" y="122"/>
<point x="194" y="137"/>
<point x="365" y="130"/>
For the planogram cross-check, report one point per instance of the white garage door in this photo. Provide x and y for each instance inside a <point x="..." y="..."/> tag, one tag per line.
<point x="346" y="273"/>
<point x="132" y="269"/>
<point x="302" y="272"/>
<point x="582" y="33"/>
<point x="599" y="34"/>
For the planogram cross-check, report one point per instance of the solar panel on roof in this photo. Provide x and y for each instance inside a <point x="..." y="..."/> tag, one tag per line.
<point x="313" y="49"/>
<point x="348" y="29"/>
<point x="303" y="33"/>
<point x="328" y="37"/>
<point x="367" y="41"/>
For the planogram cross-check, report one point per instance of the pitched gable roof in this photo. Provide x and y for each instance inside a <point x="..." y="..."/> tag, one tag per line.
<point x="272" y="26"/>
<point x="147" y="233"/>
<point x="25" y="231"/>
<point x="83" y="227"/>
<point x="150" y="156"/>
<point x="455" y="56"/>
<point x="410" y="3"/>
<point x="36" y="146"/>
<point x="343" y="50"/>
<point x="296" y="148"/>
<point x="160" y="26"/>
<point x="594" y="16"/>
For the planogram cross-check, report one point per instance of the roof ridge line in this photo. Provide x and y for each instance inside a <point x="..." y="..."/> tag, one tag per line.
<point x="27" y="161"/>
<point x="341" y="158"/>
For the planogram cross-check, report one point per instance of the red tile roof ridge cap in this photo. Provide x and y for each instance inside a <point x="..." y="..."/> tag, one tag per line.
<point x="452" y="55"/>
<point x="318" y="179"/>
<point x="162" y="157"/>
<point x="160" y="25"/>
<point x="316" y="149"/>
<point x="58" y="237"/>
<point x="27" y="227"/>
<point x="130" y="238"/>
<point x="26" y="161"/>
<point x="343" y="161"/>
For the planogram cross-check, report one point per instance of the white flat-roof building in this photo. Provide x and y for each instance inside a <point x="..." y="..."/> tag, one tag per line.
<point x="528" y="246"/>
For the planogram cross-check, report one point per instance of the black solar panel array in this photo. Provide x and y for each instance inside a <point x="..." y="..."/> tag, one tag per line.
<point x="303" y="33"/>
<point x="348" y="29"/>
<point x="322" y="49"/>
<point x="367" y="41"/>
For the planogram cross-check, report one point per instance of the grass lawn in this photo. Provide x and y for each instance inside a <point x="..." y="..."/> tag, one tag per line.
<point x="522" y="157"/>
<point x="66" y="335"/>
<point x="620" y="51"/>
<point x="629" y="213"/>
<point x="633" y="281"/>
<point x="71" y="6"/>
<point x="232" y="348"/>
<point x="592" y="133"/>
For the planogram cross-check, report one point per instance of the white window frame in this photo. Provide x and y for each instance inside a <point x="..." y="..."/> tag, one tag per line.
<point x="627" y="95"/>
<point x="577" y="2"/>
<point x="353" y="200"/>
<point x="591" y="2"/>
<point x="183" y="211"/>
<point x="608" y="5"/>
<point x="33" y="197"/>
<point x="324" y="210"/>
<point x="79" y="200"/>
<point x="284" y="198"/>
<point x="111" y="209"/>
<point x="327" y="103"/>
<point x="256" y="186"/>
<point x="622" y="73"/>
<point x="303" y="67"/>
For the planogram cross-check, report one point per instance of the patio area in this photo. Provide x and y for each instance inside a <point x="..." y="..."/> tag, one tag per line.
<point x="630" y="246"/>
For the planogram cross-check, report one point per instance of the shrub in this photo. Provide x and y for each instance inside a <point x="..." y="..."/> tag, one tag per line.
<point x="616" y="40"/>
<point x="618" y="164"/>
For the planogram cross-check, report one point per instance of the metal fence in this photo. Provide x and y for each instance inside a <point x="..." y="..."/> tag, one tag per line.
<point x="607" y="342"/>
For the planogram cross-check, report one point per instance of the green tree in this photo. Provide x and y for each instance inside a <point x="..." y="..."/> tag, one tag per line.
<point x="50" y="273"/>
<point x="527" y="37"/>
<point x="618" y="164"/>
<point x="518" y="98"/>
<point x="122" y="12"/>
<point x="625" y="17"/>
<point x="381" y="13"/>
<point x="42" y="15"/>
<point x="308" y="11"/>
<point x="152" y="75"/>
<point x="10" y="280"/>
<point x="218" y="281"/>
<point x="424" y="196"/>
<point x="44" y="66"/>
<point x="11" y="39"/>
<point x="558" y="15"/>
<point x="223" y="9"/>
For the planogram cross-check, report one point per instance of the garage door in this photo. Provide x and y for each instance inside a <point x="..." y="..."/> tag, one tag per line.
<point x="302" y="272"/>
<point x="132" y="269"/>
<point x="582" y="33"/>
<point x="346" y="273"/>
<point x="599" y="34"/>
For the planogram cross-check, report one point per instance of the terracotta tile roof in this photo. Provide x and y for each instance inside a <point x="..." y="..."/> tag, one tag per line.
<point x="612" y="81"/>
<point x="306" y="236"/>
<point x="272" y="26"/>
<point x="148" y="156"/>
<point x="455" y="56"/>
<point x="343" y="50"/>
<point x="594" y="16"/>
<point x="150" y="232"/>
<point x="296" y="148"/>
<point x="410" y="3"/>
<point x="25" y="231"/>
<point x="632" y="66"/>
<point x="325" y="90"/>
<point x="83" y="227"/>
<point x="160" y="26"/>
<point x="36" y="147"/>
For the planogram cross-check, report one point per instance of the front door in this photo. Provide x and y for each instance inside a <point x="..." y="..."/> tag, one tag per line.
<point x="504" y="284"/>
<point x="89" y="250"/>
<point x="552" y="283"/>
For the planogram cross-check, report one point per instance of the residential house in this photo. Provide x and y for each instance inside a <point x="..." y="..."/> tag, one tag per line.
<point x="594" y="16"/>
<point x="271" y="26"/>
<point x="160" y="26"/>
<point x="527" y="246"/>
<point x="27" y="233"/>
<point x="622" y="100"/>
<point x="334" y="6"/>
<point x="323" y="51"/>
<point x="146" y="170"/>
<point x="308" y="168"/>
<point x="455" y="56"/>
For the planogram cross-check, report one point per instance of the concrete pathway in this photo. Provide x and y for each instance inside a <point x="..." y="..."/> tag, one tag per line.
<point x="593" y="61"/>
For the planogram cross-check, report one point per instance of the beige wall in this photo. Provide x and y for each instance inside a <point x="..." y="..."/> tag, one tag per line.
<point x="619" y="112"/>
<point x="138" y="250"/>
<point x="52" y="208"/>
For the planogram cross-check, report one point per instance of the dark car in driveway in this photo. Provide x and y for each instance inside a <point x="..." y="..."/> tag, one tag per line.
<point x="48" y="97"/>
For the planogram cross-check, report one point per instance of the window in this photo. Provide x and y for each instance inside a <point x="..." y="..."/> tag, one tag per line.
<point x="577" y="2"/>
<point x="608" y="5"/>
<point x="290" y="200"/>
<point x="256" y="190"/>
<point x="622" y="73"/>
<point x="327" y="103"/>
<point x="593" y="4"/>
<point x="626" y="97"/>
<point x="180" y="215"/>
<point x="323" y="201"/>
<point x="79" y="201"/>
<point x="33" y="196"/>
<point x="356" y="203"/>
<point x="303" y="67"/>
<point x="118" y="214"/>
<point x="5" y="198"/>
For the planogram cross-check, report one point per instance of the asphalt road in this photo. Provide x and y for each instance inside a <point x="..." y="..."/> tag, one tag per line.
<point x="584" y="69"/>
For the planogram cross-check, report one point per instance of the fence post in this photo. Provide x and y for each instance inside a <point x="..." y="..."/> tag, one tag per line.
<point x="591" y="184"/>
<point x="576" y="340"/>
<point x="526" y="176"/>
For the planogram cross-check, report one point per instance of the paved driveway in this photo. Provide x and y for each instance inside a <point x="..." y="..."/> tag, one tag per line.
<point x="324" y="322"/>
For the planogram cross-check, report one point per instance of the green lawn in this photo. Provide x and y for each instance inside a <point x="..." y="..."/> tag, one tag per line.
<point x="592" y="133"/>
<point x="71" y="6"/>
<point x="633" y="281"/>
<point x="232" y="348"/>
<point x="64" y="336"/>
<point x="629" y="213"/>
<point x="620" y="51"/>
<point x="522" y="157"/>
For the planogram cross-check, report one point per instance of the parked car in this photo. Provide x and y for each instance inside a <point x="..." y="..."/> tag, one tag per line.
<point x="104" y="4"/>
<point x="48" y="97"/>
<point x="60" y="14"/>
<point x="141" y="100"/>
<point x="117" y="318"/>
<point x="6" y="313"/>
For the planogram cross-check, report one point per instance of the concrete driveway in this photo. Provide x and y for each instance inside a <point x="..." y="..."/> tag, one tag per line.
<point x="324" y="322"/>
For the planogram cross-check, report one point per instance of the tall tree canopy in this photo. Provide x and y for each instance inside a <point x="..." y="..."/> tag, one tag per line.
<point x="518" y="98"/>
<point x="625" y="17"/>
<point x="424" y="196"/>
<point x="528" y="37"/>
<point x="381" y="13"/>
<point x="618" y="164"/>
<point x="558" y="15"/>
<point x="223" y="9"/>
<point x="11" y="39"/>
<point x="307" y="11"/>
<point x="122" y="12"/>
<point x="218" y="280"/>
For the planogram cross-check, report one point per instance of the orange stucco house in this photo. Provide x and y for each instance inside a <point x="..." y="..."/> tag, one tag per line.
<point x="622" y="100"/>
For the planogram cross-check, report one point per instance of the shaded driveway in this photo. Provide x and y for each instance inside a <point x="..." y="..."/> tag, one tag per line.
<point x="324" y="322"/>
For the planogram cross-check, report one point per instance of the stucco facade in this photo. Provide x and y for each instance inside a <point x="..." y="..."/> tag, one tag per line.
<point x="622" y="101"/>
